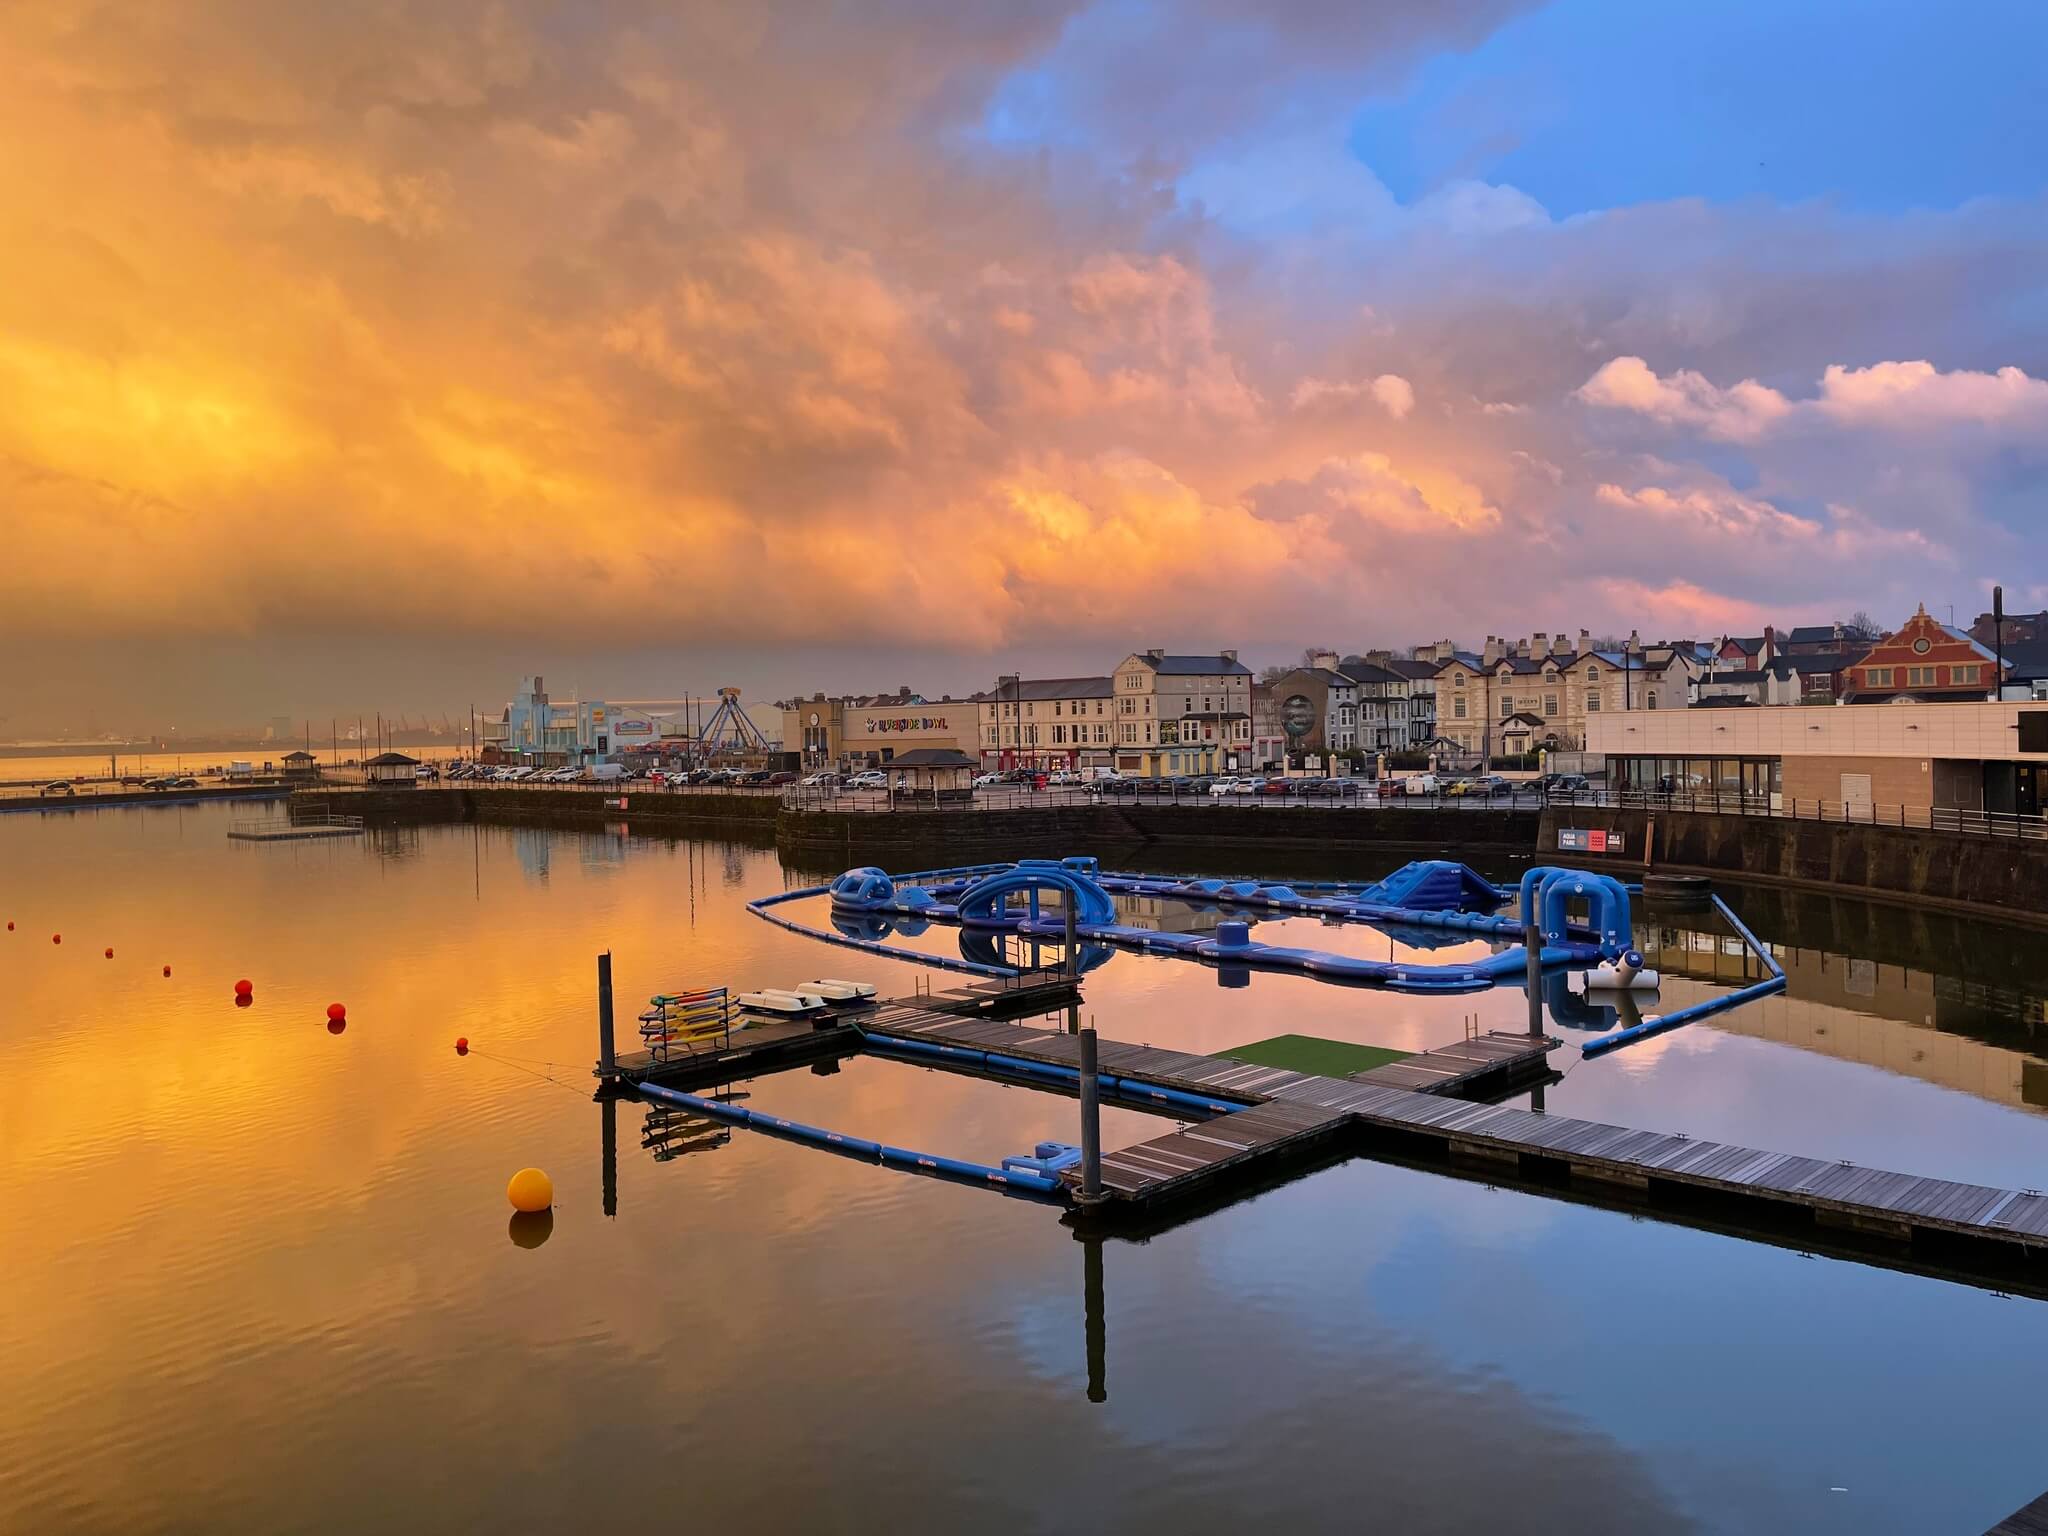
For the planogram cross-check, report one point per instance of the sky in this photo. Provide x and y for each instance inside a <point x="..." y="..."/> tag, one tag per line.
<point x="368" y="356"/>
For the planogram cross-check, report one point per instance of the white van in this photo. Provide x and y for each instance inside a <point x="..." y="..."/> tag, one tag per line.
<point x="605" y="773"/>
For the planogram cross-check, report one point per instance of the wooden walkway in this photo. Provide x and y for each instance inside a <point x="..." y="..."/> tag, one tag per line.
<point x="2030" y="1521"/>
<point x="1283" y="1110"/>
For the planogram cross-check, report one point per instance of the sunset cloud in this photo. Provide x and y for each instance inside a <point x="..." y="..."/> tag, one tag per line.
<point x="765" y="342"/>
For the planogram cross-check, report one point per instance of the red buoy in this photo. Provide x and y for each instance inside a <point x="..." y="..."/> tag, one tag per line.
<point x="244" y="1000"/>
<point x="336" y="1026"/>
<point x="462" y="1045"/>
<point x="336" y="1011"/>
<point x="244" y="988"/>
<point x="110" y="954"/>
<point x="10" y="925"/>
<point x="56" y="938"/>
<point x="167" y="970"/>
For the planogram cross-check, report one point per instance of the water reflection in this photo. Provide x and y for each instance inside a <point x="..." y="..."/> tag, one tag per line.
<point x="254" y="1309"/>
<point x="1982" y="1039"/>
<point x="529" y="1229"/>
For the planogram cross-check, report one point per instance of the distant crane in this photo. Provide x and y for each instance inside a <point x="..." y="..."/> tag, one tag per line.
<point x="730" y="728"/>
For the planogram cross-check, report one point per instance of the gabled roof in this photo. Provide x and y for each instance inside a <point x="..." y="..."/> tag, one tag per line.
<point x="1193" y="666"/>
<point x="1534" y="721"/>
<point x="1964" y="637"/>
<point x="932" y="757"/>
<point x="300" y="756"/>
<point x="392" y="760"/>
<point x="1366" y="672"/>
<point x="1411" y="669"/>
<point x="1035" y="689"/>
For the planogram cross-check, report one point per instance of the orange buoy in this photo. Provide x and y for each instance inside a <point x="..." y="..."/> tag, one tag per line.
<point x="244" y="987"/>
<point x="336" y="1011"/>
<point x="530" y="1190"/>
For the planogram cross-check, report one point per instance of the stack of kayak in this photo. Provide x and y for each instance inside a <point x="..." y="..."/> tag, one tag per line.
<point x="686" y="1019"/>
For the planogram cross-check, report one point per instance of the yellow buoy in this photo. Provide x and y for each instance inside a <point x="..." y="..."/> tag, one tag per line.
<point x="530" y="1190"/>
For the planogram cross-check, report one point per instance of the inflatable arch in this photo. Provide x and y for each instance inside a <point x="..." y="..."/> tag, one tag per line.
<point x="980" y="904"/>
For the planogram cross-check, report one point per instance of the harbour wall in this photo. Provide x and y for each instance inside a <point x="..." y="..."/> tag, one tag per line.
<point x="646" y="810"/>
<point x="1951" y="870"/>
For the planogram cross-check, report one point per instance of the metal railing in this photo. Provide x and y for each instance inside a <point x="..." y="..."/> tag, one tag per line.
<point x="1722" y="802"/>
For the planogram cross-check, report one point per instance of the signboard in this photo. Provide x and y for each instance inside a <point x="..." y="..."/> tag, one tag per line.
<point x="1298" y="715"/>
<point x="1587" y="840"/>
<point x="633" y="728"/>
<point x="900" y="723"/>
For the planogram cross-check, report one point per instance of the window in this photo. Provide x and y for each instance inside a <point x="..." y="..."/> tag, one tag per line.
<point x="1059" y="735"/>
<point x="1963" y="674"/>
<point x="1458" y="708"/>
<point x="1651" y="702"/>
<point x="1592" y="701"/>
<point x="1458" y="679"/>
<point x="1549" y="704"/>
<point x="1877" y="677"/>
<point x="1031" y="710"/>
<point x="1507" y="707"/>
<point x="1920" y="677"/>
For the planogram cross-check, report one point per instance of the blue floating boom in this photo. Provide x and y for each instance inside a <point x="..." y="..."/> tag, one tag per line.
<point x="1021" y="1180"/>
<point x="1775" y="982"/>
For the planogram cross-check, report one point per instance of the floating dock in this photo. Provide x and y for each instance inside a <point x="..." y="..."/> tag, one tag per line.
<point x="772" y="1044"/>
<point x="274" y="829"/>
<point x="1245" y="1125"/>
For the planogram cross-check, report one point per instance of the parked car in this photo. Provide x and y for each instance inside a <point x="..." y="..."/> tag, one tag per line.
<point x="1274" y="788"/>
<point x="427" y="772"/>
<point x="1227" y="785"/>
<point x="1422" y="784"/>
<point x="60" y="787"/>
<point x="1062" y="776"/>
<point x="187" y="782"/>
<point x="987" y="780"/>
<point x="870" y="778"/>
<point x="1489" y="786"/>
<point x="1564" y="785"/>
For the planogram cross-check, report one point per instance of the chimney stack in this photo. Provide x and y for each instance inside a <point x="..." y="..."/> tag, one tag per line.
<point x="1232" y="656"/>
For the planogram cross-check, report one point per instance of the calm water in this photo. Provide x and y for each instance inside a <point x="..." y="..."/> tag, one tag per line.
<point x="259" y="1275"/>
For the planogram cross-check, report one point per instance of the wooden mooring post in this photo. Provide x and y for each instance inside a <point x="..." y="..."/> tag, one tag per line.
<point x="1091" y="1120"/>
<point x="607" y="1046"/>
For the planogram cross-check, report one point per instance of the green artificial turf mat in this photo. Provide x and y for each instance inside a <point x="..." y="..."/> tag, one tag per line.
<point x="1319" y="1057"/>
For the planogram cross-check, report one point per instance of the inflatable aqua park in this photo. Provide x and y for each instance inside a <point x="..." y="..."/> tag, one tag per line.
<point x="1582" y="919"/>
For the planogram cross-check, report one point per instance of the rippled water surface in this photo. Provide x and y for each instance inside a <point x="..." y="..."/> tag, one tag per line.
<point x="259" y="1275"/>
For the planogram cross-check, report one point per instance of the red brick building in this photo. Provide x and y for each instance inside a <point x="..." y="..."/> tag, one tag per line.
<point x="1925" y="660"/>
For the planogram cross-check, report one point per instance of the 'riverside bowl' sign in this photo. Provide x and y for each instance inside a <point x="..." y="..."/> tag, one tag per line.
<point x="901" y="723"/>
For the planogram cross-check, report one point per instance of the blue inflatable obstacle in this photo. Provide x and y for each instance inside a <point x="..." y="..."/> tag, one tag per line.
<point x="1433" y="896"/>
